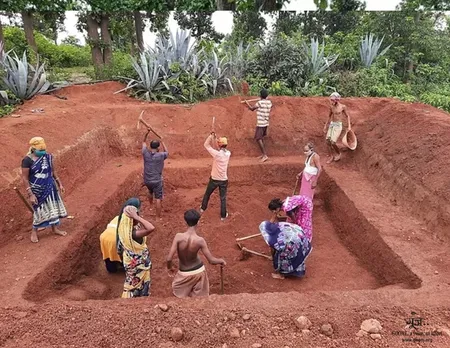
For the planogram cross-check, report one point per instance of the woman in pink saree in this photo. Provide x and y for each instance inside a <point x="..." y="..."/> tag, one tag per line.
<point x="310" y="174"/>
<point x="299" y="211"/>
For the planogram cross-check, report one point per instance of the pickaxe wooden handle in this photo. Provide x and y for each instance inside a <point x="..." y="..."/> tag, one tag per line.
<point x="256" y="253"/>
<point x="251" y="100"/>
<point x="248" y="237"/>
<point x="147" y="125"/>
<point x="30" y="208"/>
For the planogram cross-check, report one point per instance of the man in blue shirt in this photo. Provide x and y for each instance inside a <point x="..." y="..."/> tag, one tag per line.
<point x="153" y="168"/>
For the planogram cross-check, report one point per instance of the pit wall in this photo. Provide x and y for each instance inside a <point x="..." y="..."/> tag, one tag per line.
<point x="82" y="255"/>
<point x="74" y="164"/>
<point x="363" y="239"/>
<point x="404" y="190"/>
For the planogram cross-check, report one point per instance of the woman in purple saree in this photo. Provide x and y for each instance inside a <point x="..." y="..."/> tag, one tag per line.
<point x="39" y="177"/>
<point x="299" y="211"/>
<point x="289" y="244"/>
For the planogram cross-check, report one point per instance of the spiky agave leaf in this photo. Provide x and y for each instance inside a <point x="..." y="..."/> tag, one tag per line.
<point x="315" y="58"/>
<point x="369" y="49"/>
<point x="23" y="79"/>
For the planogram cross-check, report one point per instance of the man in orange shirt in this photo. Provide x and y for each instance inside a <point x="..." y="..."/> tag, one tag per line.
<point x="219" y="178"/>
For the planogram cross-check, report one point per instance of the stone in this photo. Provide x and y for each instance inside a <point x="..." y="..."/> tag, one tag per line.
<point x="19" y="315"/>
<point x="371" y="326"/>
<point x="177" y="334"/>
<point x="246" y="317"/>
<point x="361" y="333"/>
<point x="436" y="272"/>
<point x="231" y="316"/>
<point x="256" y="345"/>
<point x="163" y="307"/>
<point x="243" y="332"/>
<point x="234" y="332"/>
<point x="225" y="345"/>
<point x="375" y="336"/>
<point x="302" y="322"/>
<point x="158" y="329"/>
<point x="306" y="332"/>
<point x="19" y="238"/>
<point x="326" y="329"/>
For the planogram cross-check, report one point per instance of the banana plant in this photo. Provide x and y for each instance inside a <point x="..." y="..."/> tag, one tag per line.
<point x="316" y="61"/>
<point x="23" y="79"/>
<point x="369" y="49"/>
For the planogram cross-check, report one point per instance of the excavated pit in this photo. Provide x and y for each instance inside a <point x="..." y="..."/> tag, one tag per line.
<point x="349" y="253"/>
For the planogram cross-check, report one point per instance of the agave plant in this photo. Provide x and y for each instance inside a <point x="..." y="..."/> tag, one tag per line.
<point x="238" y="60"/>
<point x="23" y="79"/>
<point x="197" y="67"/>
<point x="4" y="100"/>
<point x="178" y="48"/>
<point x="316" y="62"/>
<point x="216" y="74"/>
<point x="151" y="84"/>
<point x="369" y="49"/>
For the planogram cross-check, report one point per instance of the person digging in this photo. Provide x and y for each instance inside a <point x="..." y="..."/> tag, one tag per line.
<point x="335" y="118"/>
<point x="219" y="177"/>
<point x="263" y="108"/>
<point x="153" y="168"/>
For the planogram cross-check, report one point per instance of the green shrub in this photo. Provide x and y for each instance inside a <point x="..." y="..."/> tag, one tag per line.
<point x="61" y="56"/>
<point x="120" y="67"/>
<point x="440" y="101"/>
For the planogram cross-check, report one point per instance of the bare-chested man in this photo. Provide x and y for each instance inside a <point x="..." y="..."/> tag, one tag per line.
<point x="191" y="280"/>
<point x="334" y="123"/>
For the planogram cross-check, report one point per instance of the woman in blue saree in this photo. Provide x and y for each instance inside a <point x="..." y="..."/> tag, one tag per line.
<point x="288" y="242"/>
<point x="39" y="177"/>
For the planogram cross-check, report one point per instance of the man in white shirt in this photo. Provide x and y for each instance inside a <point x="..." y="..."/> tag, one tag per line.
<point x="219" y="178"/>
<point x="263" y="108"/>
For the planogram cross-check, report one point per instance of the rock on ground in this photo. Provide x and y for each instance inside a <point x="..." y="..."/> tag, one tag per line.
<point x="371" y="326"/>
<point x="177" y="334"/>
<point x="234" y="332"/>
<point x="256" y="345"/>
<point x="326" y="329"/>
<point x="303" y="323"/>
<point x="375" y="336"/>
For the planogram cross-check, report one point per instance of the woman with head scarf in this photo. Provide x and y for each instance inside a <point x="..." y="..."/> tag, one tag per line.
<point x="132" y="232"/>
<point x="299" y="211"/>
<point x="40" y="179"/>
<point x="289" y="244"/>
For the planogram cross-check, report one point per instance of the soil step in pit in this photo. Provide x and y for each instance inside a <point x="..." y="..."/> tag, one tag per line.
<point x="332" y="265"/>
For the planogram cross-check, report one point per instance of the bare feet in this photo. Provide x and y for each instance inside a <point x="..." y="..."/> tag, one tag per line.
<point x="277" y="276"/>
<point x="330" y="160"/>
<point x="337" y="158"/>
<point x="34" y="237"/>
<point x="260" y="156"/>
<point x="59" y="232"/>
<point x="264" y="158"/>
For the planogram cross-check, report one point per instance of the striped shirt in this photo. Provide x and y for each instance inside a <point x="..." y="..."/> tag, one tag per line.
<point x="263" y="112"/>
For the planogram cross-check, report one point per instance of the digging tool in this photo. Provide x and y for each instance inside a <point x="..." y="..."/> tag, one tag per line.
<point x="221" y="279"/>
<point x="248" y="237"/>
<point x="141" y="120"/>
<point x="251" y="100"/>
<point x="30" y="208"/>
<point x="295" y="187"/>
<point x="245" y="251"/>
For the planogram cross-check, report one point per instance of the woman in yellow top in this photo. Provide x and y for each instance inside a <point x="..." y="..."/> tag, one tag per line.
<point x="132" y="232"/>
<point x="108" y="246"/>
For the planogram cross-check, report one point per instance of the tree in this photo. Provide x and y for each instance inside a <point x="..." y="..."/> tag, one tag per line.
<point x="49" y="23"/>
<point x="251" y="5"/>
<point x="71" y="40"/>
<point x="248" y="26"/>
<point x="199" y="24"/>
<point x="345" y="15"/>
<point x="28" y="9"/>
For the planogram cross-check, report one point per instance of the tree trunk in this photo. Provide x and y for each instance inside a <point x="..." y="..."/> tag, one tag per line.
<point x="138" y="27"/>
<point x="94" y="42"/>
<point x="106" y="39"/>
<point x="27" y="19"/>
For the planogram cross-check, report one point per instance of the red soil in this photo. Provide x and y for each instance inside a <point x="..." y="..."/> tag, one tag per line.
<point x="376" y="213"/>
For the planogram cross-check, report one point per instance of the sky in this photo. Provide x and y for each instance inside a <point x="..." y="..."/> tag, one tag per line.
<point x="223" y="20"/>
